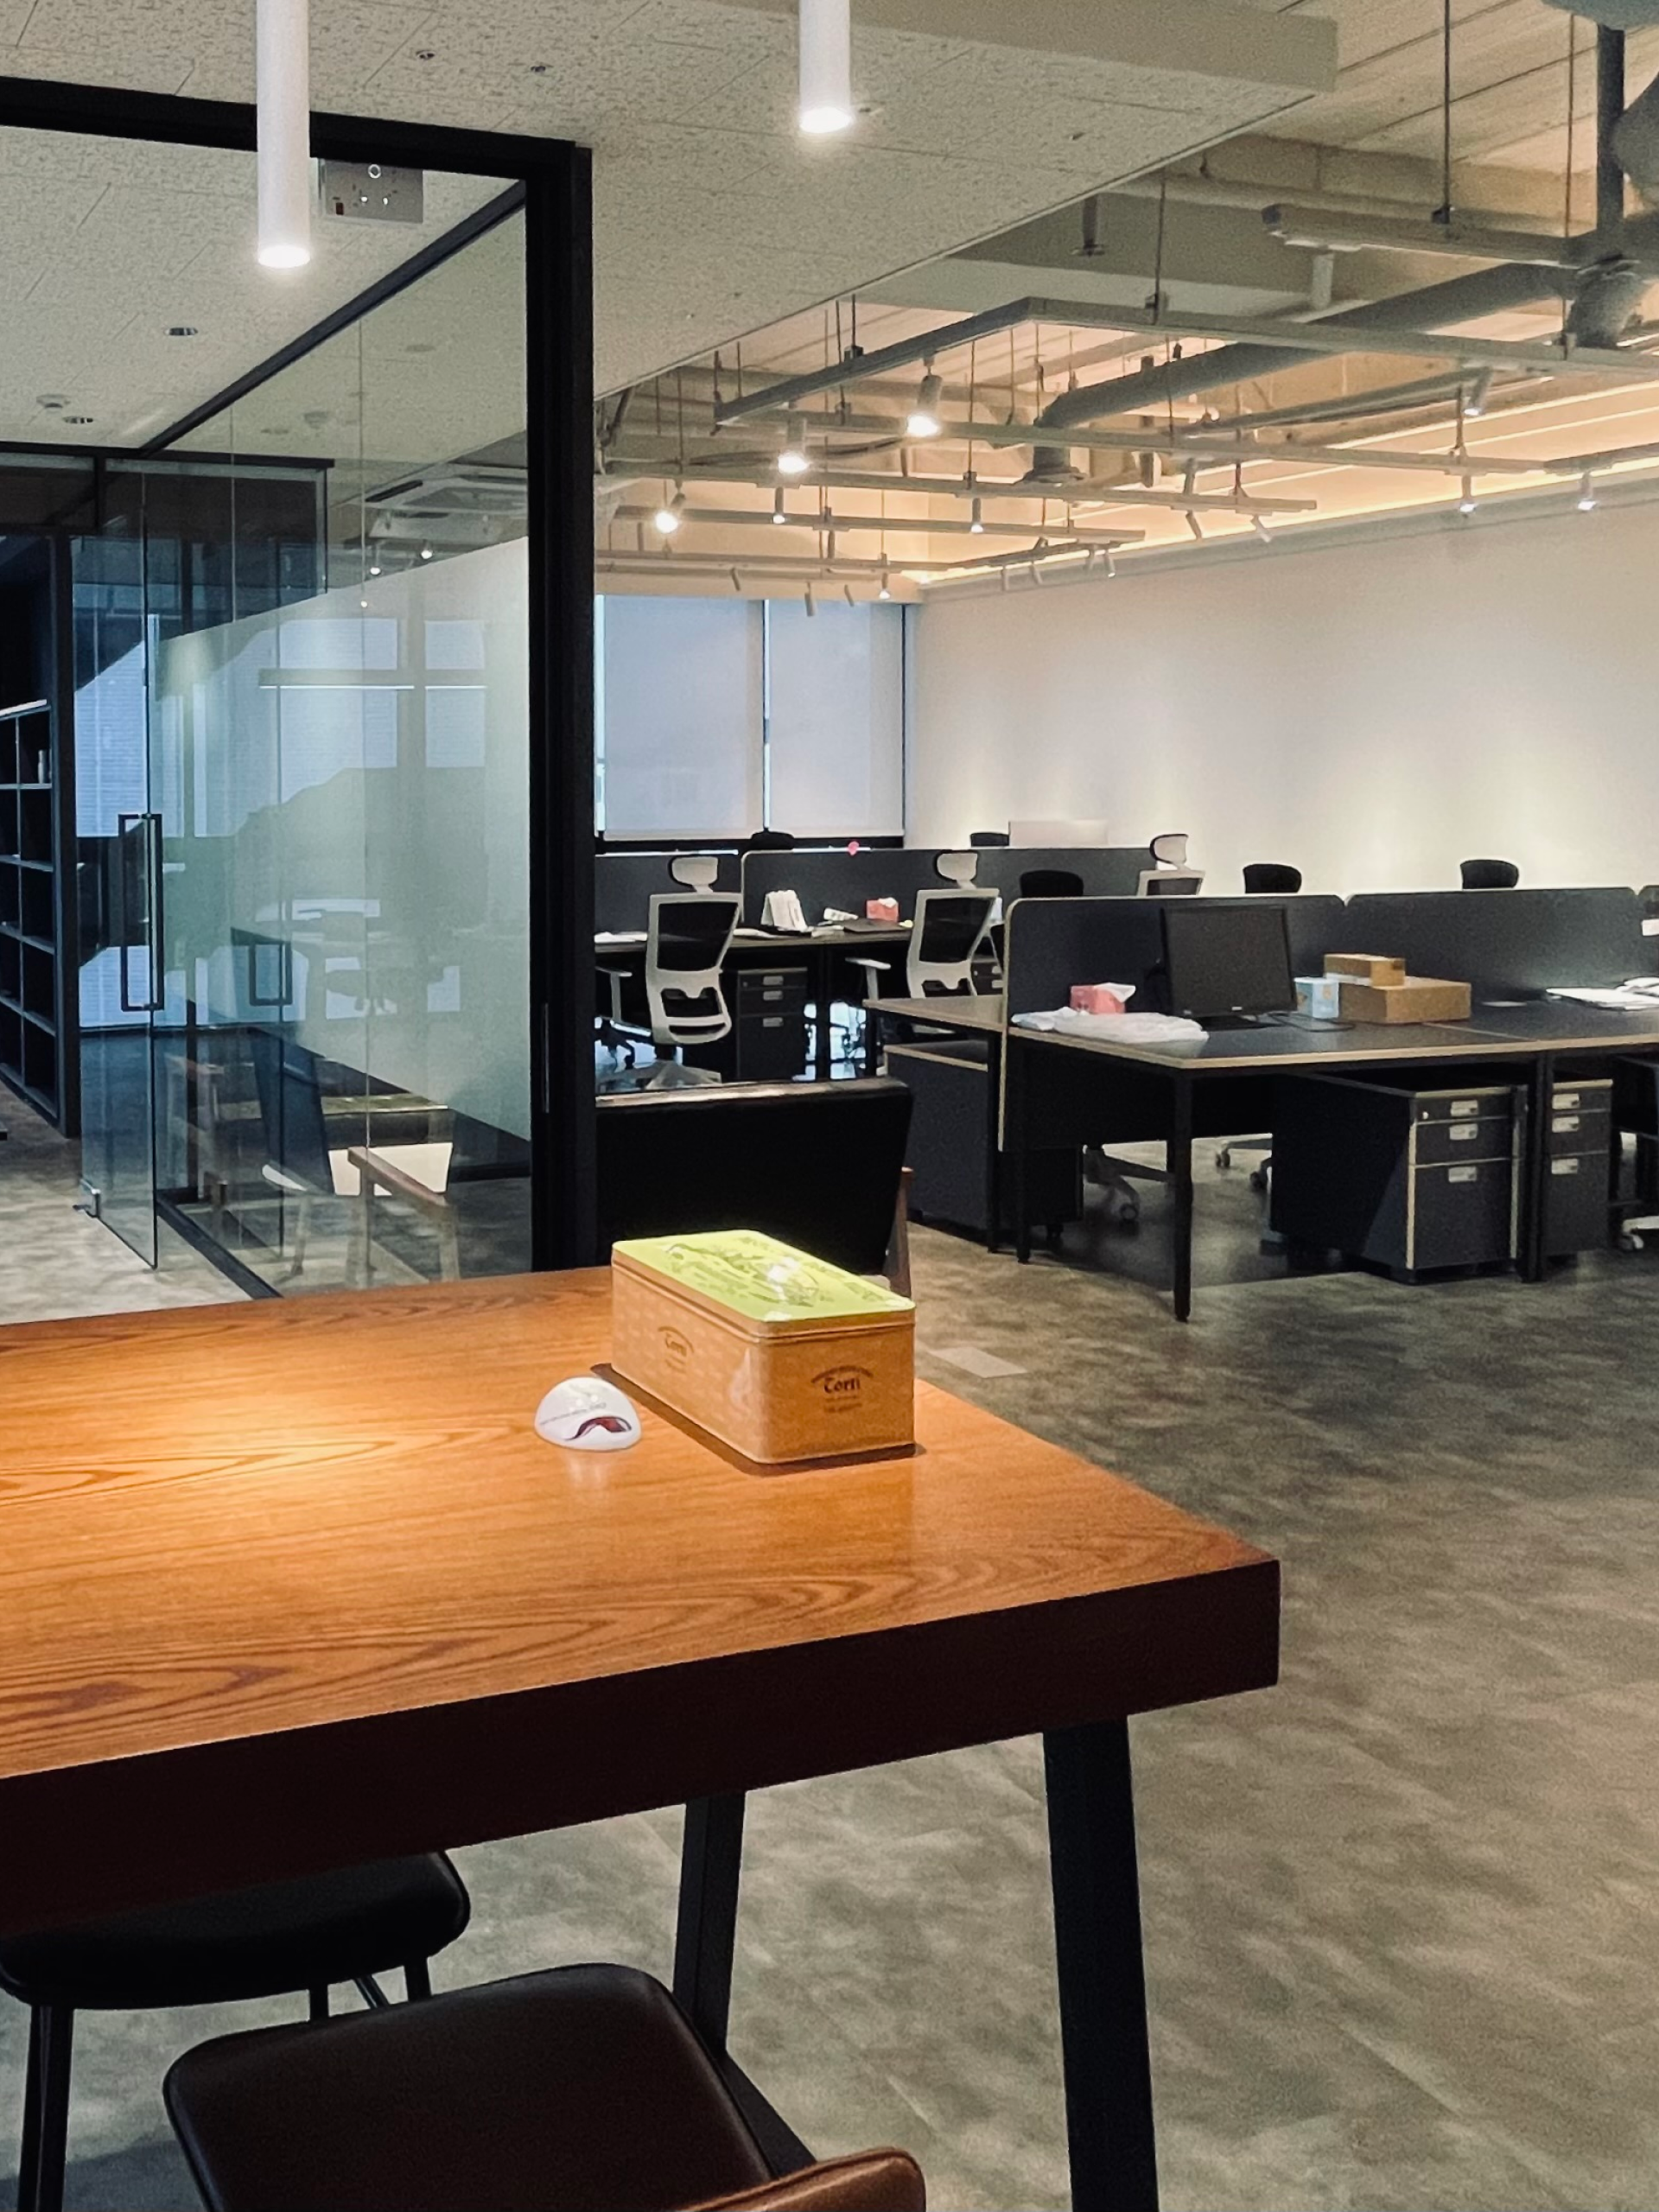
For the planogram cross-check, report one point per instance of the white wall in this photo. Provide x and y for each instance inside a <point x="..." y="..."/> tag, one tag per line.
<point x="1371" y="712"/>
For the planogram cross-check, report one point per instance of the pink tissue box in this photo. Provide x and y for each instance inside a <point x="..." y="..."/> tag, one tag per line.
<point x="881" y="910"/>
<point x="1095" y="998"/>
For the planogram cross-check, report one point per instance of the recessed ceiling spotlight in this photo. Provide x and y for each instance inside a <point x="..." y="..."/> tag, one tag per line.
<point x="182" y="330"/>
<point x="1586" y="494"/>
<point x="924" y="421"/>
<point x="826" y="68"/>
<point x="80" y="421"/>
<point x="1466" y="502"/>
<point x="540" y="68"/>
<point x="794" y="459"/>
<point x="426" y="54"/>
<point x="283" y="136"/>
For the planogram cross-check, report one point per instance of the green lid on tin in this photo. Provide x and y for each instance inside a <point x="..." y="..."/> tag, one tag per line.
<point x="760" y="1278"/>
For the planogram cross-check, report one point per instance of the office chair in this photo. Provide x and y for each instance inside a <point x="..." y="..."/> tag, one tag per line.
<point x="1169" y="848"/>
<point x="768" y="841"/>
<point x="578" y="2087"/>
<point x="696" y="871"/>
<point x="950" y="927"/>
<point x="1050" y="883"/>
<point x="686" y="943"/>
<point x="1270" y="877"/>
<point x="981" y="839"/>
<point x="958" y="868"/>
<point x="280" y="1940"/>
<point x="1489" y="875"/>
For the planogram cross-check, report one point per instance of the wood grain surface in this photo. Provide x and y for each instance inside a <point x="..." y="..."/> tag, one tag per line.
<point x="292" y="1584"/>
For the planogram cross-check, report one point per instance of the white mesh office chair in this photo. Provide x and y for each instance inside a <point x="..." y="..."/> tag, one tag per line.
<point x="696" y="871"/>
<point x="686" y="943"/>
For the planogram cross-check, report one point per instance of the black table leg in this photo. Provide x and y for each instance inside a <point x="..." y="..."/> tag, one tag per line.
<point x="711" y="1864"/>
<point x="1181" y="1177"/>
<point x="1101" y="1975"/>
<point x="822" y="1027"/>
<point x="994" y="1178"/>
<point x="1015" y="1095"/>
<point x="1535" y="1167"/>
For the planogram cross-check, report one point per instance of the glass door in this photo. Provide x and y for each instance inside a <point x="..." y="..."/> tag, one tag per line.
<point x="117" y="876"/>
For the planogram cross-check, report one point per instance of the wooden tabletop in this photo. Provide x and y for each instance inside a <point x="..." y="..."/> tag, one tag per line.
<point x="294" y="1584"/>
<point x="981" y="1016"/>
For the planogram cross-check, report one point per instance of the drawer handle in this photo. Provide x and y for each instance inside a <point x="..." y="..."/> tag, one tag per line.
<point x="1564" y="1124"/>
<point x="1461" y="1106"/>
<point x="1567" y="1098"/>
<point x="1462" y="1175"/>
<point x="1563" y="1166"/>
<point x="772" y="1021"/>
<point x="1467" y="1134"/>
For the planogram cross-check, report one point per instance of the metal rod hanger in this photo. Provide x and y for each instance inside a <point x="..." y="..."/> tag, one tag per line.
<point x="958" y="488"/>
<point x="745" y="518"/>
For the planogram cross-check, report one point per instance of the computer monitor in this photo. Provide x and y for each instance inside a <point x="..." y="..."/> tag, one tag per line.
<point x="1169" y="883"/>
<point x="1223" y="961"/>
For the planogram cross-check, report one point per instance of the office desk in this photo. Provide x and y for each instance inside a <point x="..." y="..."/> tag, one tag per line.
<point x="822" y="951"/>
<point x="293" y="1584"/>
<point x="1066" y="1089"/>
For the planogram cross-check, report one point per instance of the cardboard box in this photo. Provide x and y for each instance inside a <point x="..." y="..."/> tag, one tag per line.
<point x="1419" y="998"/>
<point x="779" y="1355"/>
<point x="1371" y="967"/>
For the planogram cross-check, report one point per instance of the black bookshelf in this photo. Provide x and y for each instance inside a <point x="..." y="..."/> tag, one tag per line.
<point x="31" y="973"/>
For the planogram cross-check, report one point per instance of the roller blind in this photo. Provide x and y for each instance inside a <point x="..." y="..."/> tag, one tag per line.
<point x="834" y="724"/>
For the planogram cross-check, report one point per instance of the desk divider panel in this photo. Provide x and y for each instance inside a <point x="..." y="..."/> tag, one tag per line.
<point x="1508" y="942"/>
<point x="1108" y="871"/>
<point x="841" y="879"/>
<point x="1052" y="943"/>
<point x="626" y="883"/>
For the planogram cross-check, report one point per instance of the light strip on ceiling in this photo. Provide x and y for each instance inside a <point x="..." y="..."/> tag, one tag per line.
<point x="282" y="77"/>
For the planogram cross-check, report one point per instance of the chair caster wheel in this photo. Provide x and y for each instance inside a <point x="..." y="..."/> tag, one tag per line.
<point x="1260" y="1181"/>
<point x="1124" y="1211"/>
<point x="1631" y="1240"/>
<point x="1224" y="1159"/>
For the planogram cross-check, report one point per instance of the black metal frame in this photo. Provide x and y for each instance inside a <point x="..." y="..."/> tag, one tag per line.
<point x="553" y="179"/>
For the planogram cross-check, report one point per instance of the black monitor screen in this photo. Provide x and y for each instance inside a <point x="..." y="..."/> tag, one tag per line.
<point x="1226" y="959"/>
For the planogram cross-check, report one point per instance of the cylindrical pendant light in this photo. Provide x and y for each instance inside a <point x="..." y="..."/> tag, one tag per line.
<point x="282" y="77"/>
<point x="826" y="67"/>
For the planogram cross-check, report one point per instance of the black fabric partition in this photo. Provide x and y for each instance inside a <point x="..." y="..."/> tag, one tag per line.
<point x="1052" y="943"/>
<point x="626" y="883"/>
<point x="1108" y="871"/>
<point x="841" y="879"/>
<point x="1513" y="944"/>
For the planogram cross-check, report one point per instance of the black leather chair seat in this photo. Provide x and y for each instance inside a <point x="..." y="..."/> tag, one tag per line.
<point x="245" y="1944"/>
<point x="568" y="2091"/>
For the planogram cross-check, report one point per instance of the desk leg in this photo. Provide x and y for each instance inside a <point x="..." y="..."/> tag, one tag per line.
<point x="822" y="1027"/>
<point x="1541" y="1097"/>
<point x="1013" y="1083"/>
<point x="1181" y="1177"/>
<point x="711" y="1864"/>
<point x="993" y="1178"/>
<point x="1101" y="1975"/>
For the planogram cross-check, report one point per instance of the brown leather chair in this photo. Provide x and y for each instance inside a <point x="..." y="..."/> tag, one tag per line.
<point x="556" y="2092"/>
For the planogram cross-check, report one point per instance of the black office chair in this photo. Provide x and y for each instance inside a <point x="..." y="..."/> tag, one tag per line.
<point x="983" y="839"/>
<point x="1489" y="875"/>
<point x="1050" y="883"/>
<point x="1271" y="879"/>
<point x="768" y="841"/>
<point x="817" y="1163"/>
<point x="280" y="1940"/>
<point x="583" y="2086"/>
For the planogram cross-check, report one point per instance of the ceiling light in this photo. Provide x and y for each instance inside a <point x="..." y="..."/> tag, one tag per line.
<point x="826" y="62"/>
<point x="778" y="514"/>
<point x="374" y="568"/>
<point x="1111" y="565"/>
<point x="1467" y="503"/>
<point x="811" y="603"/>
<point x="1475" y="402"/>
<point x="283" y="83"/>
<point x="1261" y="529"/>
<point x="426" y="552"/>
<point x="667" y="518"/>
<point x="1195" y="525"/>
<point x="794" y="461"/>
<point x="885" y="591"/>
<point x="977" y="524"/>
<point x="737" y="582"/>
<point x="1586" y="494"/>
<point x="924" y="415"/>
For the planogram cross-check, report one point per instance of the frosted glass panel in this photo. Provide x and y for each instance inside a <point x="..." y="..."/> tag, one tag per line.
<point x="835" y="726"/>
<point x="681" y="730"/>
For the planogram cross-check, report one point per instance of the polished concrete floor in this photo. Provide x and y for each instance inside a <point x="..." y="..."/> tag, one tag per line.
<point x="1403" y="1912"/>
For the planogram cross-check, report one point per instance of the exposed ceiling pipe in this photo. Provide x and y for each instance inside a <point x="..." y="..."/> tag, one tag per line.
<point x="1438" y="306"/>
<point x="1609" y="106"/>
<point x="1607" y="297"/>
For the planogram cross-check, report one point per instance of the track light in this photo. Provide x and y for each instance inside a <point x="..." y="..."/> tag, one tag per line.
<point x="924" y="415"/>
<point x="1195" y="525"/>
<point x="374" y="566"/>
<point x="666" y="520"/>
<point x="1586" y="494"/>
<point x="1261" y="529"/>
<point x="885" y="591"/>
<point x="794" y="461"/>
<point x="1466" y="502"/>
<point x="826" y="68"/>
<point x="282" y="88"/>
<point x="977" y="522"/>
<point x="778" y="514"/>
<point x="811" y="603"/>
<point x="1111" y="565"/>
<point x="737" y="582"/>
<point x="1479" y="391"/>
<point x="426" y="552"/>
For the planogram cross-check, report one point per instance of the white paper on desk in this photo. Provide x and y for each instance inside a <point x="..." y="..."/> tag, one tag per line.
<point x="1639" y="995"/>
<point x="619" y="937"/>
<point x="1113" y="1028"/>
<point x="782" y="910"/>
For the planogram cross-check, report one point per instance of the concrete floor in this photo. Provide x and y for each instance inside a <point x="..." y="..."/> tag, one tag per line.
<point x="1402" y="1913"/>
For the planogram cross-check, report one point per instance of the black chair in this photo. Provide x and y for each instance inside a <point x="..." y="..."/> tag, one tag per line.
<point x="1050" y="883"/>
<point x="581" y="2087"/>
<point x="817" y="1163"/>
<point x="1489" y="875"/>
<point x="984" y="839"/>
<point x="1272" y="879"/>
<point x="768" y="841"/>
<point x="276" y="1941"/>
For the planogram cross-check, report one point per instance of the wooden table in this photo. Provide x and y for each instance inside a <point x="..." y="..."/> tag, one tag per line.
<point x="291" y="1585"/>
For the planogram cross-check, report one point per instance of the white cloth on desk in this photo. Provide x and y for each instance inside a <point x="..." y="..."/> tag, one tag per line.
<point x="1639" y="995"/>
<point x="1115" y="1028"/>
